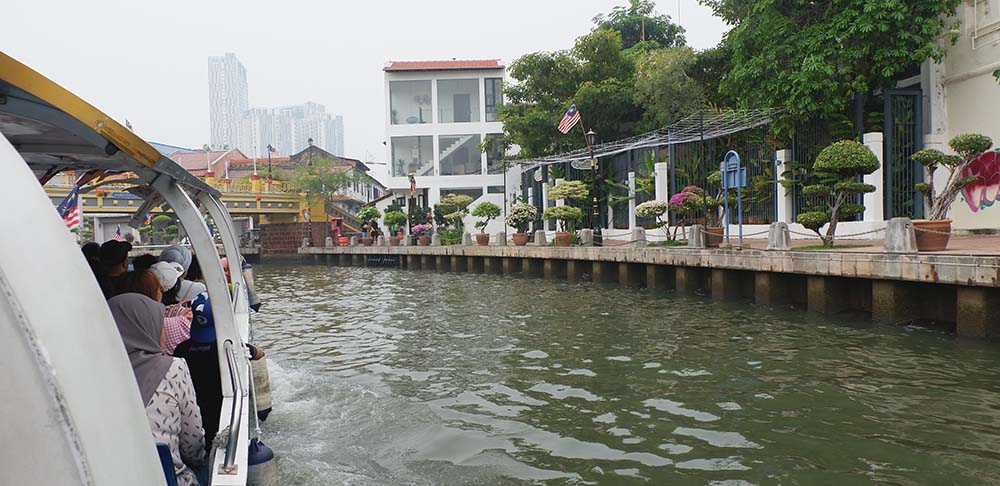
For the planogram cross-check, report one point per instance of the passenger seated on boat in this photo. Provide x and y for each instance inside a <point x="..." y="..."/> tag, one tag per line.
<point x="164" y="384"/>
<point x="92" y="252"/>
<point x="144" y="261"/>
<point x="114" y="263"/>
<point x="185" y="290"/>
<point x="177" y="319"/>
<point x="201" y="354"/>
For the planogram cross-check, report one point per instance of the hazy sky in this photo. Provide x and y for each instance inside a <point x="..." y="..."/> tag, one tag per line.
<point x="147" y="61"/>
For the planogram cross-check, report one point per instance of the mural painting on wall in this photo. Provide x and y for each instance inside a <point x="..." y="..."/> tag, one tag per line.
<point x="985" y="191"/>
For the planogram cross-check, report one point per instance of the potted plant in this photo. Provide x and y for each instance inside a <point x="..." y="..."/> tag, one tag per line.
<point x="423" y="233"/>
<point x="692" y="201"/>
<point x="367" y="215"/>
<point x="933" y="233"/>
<point x="392" y="220"/>
<point x="521" y="215"/>
<point x="488" y="212"/>
<point x="652" y="209"/>
<point x="568" y="217"/>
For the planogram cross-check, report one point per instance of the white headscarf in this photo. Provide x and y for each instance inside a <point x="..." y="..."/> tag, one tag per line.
<point x="167" y="273"/>
<point x="177" y="254"/>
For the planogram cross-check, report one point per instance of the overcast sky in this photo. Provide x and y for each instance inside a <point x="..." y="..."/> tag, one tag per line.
<point x="147" y="61"/>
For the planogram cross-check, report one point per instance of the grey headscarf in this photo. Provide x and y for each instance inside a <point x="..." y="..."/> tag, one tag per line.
<point x="140" y="322"/>
<point x="177" y="254"/>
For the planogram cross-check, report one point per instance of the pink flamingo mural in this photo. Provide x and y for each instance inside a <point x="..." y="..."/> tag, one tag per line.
<point x="985" y="191"/>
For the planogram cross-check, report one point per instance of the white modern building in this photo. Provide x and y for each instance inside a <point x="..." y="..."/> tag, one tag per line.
<point x="437" y="115"/>
<point x="289" y="129"/>
<point x="227" y="99"/>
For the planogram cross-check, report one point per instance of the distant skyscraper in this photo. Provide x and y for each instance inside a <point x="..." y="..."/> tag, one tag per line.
<point x="289" y="129"/>
<point x="227" y="98"/>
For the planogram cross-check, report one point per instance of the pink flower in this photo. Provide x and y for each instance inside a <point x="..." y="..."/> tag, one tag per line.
<point x="986" y="190"/>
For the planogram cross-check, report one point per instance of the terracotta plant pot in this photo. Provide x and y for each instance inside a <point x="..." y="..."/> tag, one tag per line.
<point x="564" y="239"/>
<point x="394" y="241"/>
<point x="714" y="237"/>
<point x="483" y="239"/>
<point x="520" y="239"/>
<point x="928" y="241"/>
<point x="423" y="240"/>
<point x="367" y="241"/>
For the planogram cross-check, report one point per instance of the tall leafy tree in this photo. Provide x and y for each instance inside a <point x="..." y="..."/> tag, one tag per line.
<point x="664" y="87"/>
<point x="812" y="57"/>
<point x="638" y="22"/>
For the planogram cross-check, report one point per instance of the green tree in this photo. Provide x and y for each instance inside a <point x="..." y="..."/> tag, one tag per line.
<point x="322" y="177"/>
<point x="488" y="212"/>
<point x="664" y="87"/>
<point x="834" y="180"/>
<point x="637" y="22"/>
<point x="811" y="58"/>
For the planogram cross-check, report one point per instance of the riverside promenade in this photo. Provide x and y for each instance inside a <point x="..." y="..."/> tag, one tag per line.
<point x="959" y="290"/>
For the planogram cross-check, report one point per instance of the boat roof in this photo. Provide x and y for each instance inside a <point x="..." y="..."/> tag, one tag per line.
<point x="54" y="130"/>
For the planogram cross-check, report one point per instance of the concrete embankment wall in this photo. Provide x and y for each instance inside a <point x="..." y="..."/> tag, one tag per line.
<point x="960" y="290"/>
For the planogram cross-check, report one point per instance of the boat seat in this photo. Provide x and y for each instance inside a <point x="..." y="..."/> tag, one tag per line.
<point x="163" y="450"/>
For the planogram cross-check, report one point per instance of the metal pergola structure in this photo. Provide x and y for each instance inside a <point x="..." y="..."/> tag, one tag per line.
<point x="699" y="126"/>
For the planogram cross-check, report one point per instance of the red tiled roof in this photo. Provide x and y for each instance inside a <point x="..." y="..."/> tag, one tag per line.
<point x="454" y="64"/>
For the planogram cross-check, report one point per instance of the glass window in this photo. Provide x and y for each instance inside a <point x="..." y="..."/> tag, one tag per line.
<point x="494" y="164"/>
<point x="474" y="193"/>
<point x="412" y="155"/>
<point x="410" y="102"/>
<point x="494" y="189"/>
<point x="458" y="100"/>
<point x="494" y="97"/>
<point x="460" y="154"/>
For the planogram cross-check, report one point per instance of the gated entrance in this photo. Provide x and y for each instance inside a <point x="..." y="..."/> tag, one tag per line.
<point x="903" y="137"/>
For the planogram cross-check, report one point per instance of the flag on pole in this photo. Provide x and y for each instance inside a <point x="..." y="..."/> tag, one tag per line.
<point x="69" y="209"/>
<point x="118" y="234"/>
<point x="569" y="120"/>
<point x="271" y="149"/>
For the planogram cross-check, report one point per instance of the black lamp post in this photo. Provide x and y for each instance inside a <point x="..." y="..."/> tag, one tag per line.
<point x="596" y="217"/>
<point x="269" y="150"/>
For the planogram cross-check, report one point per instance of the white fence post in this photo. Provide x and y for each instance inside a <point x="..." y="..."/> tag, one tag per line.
<point x="545" y="203"/>
<point x="661" y="179"/>
<point x="785" y="196"/>
<point x="631" y="201"/>
<point x="875" y="201"/>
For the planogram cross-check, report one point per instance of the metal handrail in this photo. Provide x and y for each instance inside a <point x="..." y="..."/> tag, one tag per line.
<point x="235" y="417"/>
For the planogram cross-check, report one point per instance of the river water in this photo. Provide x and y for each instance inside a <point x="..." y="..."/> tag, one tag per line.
<point x="385" y="377"/>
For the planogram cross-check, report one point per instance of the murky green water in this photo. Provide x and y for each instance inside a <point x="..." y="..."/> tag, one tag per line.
<point x="408" y="377"/>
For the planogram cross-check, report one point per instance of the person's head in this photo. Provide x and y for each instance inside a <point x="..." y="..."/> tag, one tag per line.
<point x="202" y="323"/>
<point x="167" y="273"/>
<point x="177" y="254"/>
<point x="114" y="256"/>
<point x="141" y="282"/>
<point x="194" y="271"/>
<point x="140" y="323"/>
<point x="92" y="251"/>
<point x="143" y="262"/>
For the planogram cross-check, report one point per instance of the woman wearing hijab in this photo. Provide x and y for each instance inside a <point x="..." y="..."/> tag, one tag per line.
<point x="185" y="290"/>
<point x="177" y="325"/>
<point x="164" y="384"/>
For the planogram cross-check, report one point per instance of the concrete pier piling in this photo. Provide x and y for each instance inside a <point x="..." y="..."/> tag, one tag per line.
<point x="890" y="287"/>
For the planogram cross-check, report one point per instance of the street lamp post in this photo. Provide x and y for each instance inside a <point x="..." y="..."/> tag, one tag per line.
<point x="269" y="150"/>
<point x="596" y="216"/>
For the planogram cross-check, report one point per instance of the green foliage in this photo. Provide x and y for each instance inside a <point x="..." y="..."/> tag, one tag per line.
<point x="451" y="236"/>
<point x="637" y="22"/>
<point x="369" y="213"/>
<point x="813" y="220"/>
<point x="664" y="88"/>
<point x="161" y="220"/>
<point x="393" y="207"/>
<point x="573" y="190"/>
<point x="568" y="216"/>
<point x="853" y="187"/>
<point x="322" y="177"/>
<point x="488" y="212"/>
<point x="418" y="215"/>
<point x="816" y="190"/>
<point x="846" y="158"/>
<point x="394" y="218"/>
<point x="451" y="210"/>
<point x="933" y="158"/>
<point x="970" y="145"/>
<point x="162" y="229"/>
<point x="811" y="58"/>
<point x="521" y="215"/>
<point x="923" y="188"/>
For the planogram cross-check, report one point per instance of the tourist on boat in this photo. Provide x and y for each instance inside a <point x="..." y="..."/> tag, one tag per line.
<point x="144" y="261"/>
<point x="201" y="354"/>
<point x="186" y="290"/>
<point x="177" y="318"/>
<point x="114" y="263"/>
<point x="92" y="252"/>
<point x="165" y="384"/>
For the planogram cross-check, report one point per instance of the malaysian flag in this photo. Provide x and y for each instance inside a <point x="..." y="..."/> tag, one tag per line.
<point x="69" y="209"/>
<point x="569" y="120"/>
<point x="271" y="150"/>
<point x="118" y="234"/>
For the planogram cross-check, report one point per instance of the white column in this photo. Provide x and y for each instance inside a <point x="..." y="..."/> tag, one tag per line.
<point x="785" y="196"/>
<point x="560" y="202"/>
<point x="661" y="180"/>
<point x="631" y="201"/>
<point x="875" y="201"/>
<point x="545" y="203"/>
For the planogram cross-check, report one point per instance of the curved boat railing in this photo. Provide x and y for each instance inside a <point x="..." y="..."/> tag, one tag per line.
<point x="235" y="417"/>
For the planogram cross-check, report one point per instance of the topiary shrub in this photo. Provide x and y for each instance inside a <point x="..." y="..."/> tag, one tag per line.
<point x="488" y="212"/>
<point x="394" y="219"/>
<point x="368" y="214"/>
<point x="968" y="147"/>
<point x="569" y="190"/>
<point x="833" y="179"/>
<point x="521" y="215"/>
<point x="567" y="216"/>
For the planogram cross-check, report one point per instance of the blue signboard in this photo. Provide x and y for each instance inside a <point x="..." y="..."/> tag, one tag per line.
<point x="124" y="195"/>
<point x="733" y="176"/>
